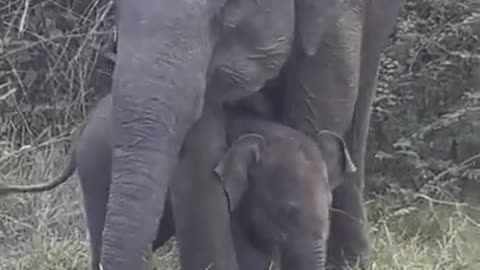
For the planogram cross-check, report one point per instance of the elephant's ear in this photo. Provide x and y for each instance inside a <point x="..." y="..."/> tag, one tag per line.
<point x="234" y="166"/>
<point x="236" y="11"/>
<point x="336" y="168"/>
<point x="348" y="162"/>
<point x="313" y="18"/>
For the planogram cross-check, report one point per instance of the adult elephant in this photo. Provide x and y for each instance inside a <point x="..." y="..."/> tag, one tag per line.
<point x="332" y="88"/>
<point x="165" y="53"/>
<point x="169" y="53"/>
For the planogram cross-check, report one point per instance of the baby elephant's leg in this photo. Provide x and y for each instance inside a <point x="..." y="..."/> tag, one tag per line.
<point x="249" y="257"/>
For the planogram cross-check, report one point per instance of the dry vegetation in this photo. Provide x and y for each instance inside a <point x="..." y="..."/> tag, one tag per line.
<point x="423" y="151"/>
<point x="47" y="231"/>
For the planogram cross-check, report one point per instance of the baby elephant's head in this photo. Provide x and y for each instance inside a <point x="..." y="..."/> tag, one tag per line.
<point x="283" y="183"/>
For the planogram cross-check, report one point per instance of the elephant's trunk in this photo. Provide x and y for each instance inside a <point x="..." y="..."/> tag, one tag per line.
<point x="158" y="88"/>
<point x="320" y="254"/>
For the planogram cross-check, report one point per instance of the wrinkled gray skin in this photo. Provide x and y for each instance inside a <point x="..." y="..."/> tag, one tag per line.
<point x="301" y="244"/>
<point x="333" y="89"/>
<point x="275" y="179"/>
<point x="159" y="87"/>
<point x="277" y="184"/>
<point x="278" y="178"/>
<point x="178" y="62"/>
<point x="91" y="157"/>
<point x="166" y="47"/>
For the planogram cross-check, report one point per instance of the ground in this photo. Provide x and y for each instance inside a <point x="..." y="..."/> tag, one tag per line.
<point x="47" y="231"/>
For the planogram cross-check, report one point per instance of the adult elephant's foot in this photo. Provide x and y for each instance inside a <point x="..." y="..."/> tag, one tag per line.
<point x="348" y="245"/>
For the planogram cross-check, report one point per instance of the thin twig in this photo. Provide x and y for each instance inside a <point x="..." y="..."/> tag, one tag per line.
<point x="24" y="17"/>
<point x="447" y="203"/>
<point x="461" y="166"/>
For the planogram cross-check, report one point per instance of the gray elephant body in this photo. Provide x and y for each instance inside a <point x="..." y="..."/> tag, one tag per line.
<point x="179" y="57"/>
<point x="178" y="61"/>
<point x="93" y="160"/>
<point x="328" y="83"/>
<point x="275" y="179"/>
<point x="276" y="182"/>
<point x="334" y="89"/>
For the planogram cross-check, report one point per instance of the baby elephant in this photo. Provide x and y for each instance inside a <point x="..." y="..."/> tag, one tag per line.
<point x="276" y="182"/>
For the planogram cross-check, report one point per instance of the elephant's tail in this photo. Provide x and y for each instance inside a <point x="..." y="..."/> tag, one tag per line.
<point x="64" y="176"/>
<point x="6" y="189"/>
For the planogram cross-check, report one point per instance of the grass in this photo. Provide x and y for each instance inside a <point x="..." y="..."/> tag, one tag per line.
<point x="47" y="231"/>
<point x="425" y="236"/>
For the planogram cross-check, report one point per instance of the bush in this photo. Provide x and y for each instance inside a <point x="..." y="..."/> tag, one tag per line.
<point x="425" y="122"/>
<point x="48" y="54"/>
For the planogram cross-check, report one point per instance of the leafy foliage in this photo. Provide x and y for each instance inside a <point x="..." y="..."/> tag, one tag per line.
<point x="47" y="54"/>
<point x="426" y="114"/>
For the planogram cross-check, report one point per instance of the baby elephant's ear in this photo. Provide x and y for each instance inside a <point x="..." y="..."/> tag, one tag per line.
<point x="349" y="165"/>
<point x="235" y="163"/>
<point x="314" y="17"/>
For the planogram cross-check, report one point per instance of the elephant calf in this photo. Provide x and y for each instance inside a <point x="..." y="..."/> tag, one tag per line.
<point x="276" y="182"/>
<point x="274" y="177"/>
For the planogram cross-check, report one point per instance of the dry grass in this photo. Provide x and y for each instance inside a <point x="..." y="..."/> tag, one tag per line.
<point x="425" y="236"/>
<point x="47" y="231"/>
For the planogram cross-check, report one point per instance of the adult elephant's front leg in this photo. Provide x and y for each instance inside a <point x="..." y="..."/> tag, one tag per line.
<point x="333" y="89"/>
<point x="321" y="94"/>
<point x="158" y="87"/>
<point x="202" y="219"/>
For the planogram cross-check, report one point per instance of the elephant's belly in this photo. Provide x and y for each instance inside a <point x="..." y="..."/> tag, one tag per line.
<point x="253" y="52"/>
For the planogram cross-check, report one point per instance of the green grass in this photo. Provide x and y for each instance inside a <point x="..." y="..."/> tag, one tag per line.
<point x="47" y="231"/>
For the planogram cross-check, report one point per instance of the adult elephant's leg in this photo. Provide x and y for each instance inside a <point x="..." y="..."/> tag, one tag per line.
<point x="250" y="256"/>
<point x="158" y="86"/>
<point x="321" y="93"/>
<point x="334" y="90"/>
<point x="202" y="219"/>
<point x="93" y="159"/>
<point x="379" y="21"/>
<point x="95" y="196"/>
